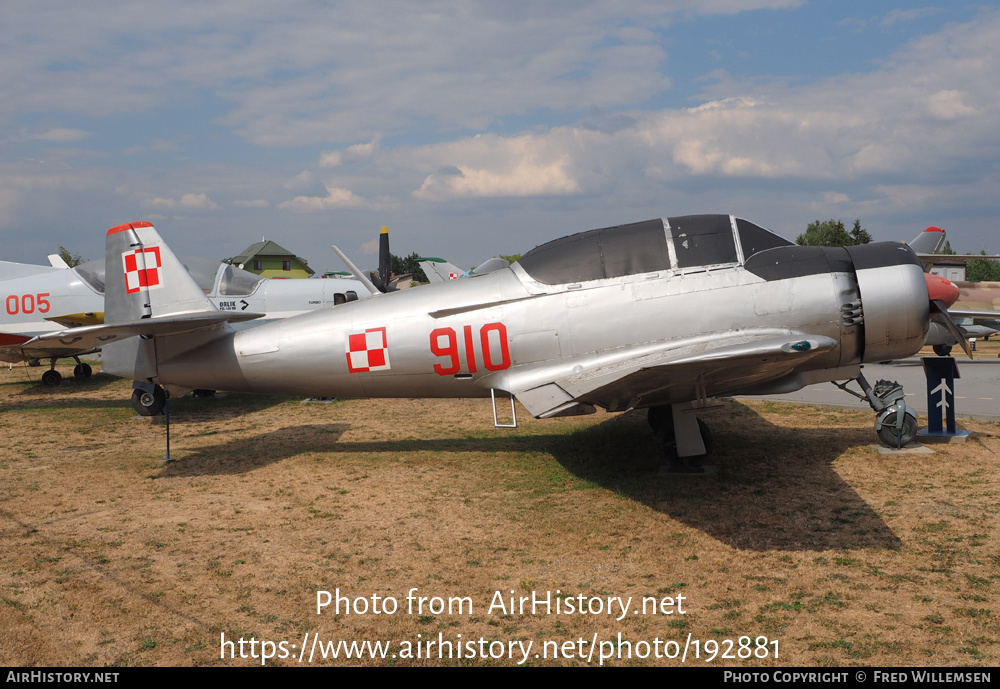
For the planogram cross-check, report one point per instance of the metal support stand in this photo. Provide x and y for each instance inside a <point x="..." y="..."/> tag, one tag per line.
<point x="941" y="373"/>
<point x="166" y="410"/>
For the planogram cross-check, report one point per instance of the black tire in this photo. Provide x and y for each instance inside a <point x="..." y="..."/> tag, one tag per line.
<point x="888" y="435"/>
<point x="149" y="403"/>
<point x="51" y="378"/>
<point x="661" y="420"/>
<point x="34" y="362"/>
<point x="82" y="371"/>
<point x="706" y="437"/>
<point x="942" y="349"/>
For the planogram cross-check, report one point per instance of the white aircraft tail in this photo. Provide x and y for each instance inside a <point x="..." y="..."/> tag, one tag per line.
<point x="148" y="292"/>
<point x="439" y="270"/>
<point x="929" y="241"/>
<point x="143" y="277"/>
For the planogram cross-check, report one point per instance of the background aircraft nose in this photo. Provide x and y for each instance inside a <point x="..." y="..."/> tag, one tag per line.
<point x="940" y="289"/>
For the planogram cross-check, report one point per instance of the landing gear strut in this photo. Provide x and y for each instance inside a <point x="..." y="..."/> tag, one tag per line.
<point x="685" y="440"/>
<point x="895" y="423"/>
<point x="52" y="377"/>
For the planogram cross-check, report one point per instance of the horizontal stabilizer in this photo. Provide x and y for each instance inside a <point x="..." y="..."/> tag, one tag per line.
<point x="93" y="336"/>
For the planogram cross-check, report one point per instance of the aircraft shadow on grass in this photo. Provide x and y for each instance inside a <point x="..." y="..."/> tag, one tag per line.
<point x="185" y="410"/>
<point x="760" y="499"/>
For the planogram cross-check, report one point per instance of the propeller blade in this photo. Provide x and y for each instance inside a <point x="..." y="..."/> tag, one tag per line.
<point x="384" y="270"/>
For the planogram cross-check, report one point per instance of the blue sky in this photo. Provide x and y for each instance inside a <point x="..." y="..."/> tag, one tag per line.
<point x="478" y="128"/>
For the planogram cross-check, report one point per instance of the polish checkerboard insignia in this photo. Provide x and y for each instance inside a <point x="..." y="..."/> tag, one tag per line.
<point x="453" y="276"/>
<point x="368" y="351"/>
<point x="142" y="274"/>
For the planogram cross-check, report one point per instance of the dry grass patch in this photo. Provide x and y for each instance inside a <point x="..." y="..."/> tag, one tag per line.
<point x="807" y="536"/>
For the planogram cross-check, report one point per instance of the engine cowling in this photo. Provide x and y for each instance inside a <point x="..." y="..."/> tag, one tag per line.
<point x="894" y="300"/>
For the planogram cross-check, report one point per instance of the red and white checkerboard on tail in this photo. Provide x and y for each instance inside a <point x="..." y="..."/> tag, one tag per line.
<point x="142" y="269"/>
<point x="368" y="351"/>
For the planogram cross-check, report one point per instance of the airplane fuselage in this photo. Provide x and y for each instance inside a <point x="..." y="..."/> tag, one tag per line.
<point x="507" y="331"/>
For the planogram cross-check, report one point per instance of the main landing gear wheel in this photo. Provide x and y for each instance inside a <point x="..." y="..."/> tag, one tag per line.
<point x="82" y="370"/>
<point x="897" y="438"/>
<point x="51" y="378"/>
<point x="942" y="349"/>
<point x="149" y="403"/>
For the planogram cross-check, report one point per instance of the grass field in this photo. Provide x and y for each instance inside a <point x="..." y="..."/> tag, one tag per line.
<point x="806" y="536"/>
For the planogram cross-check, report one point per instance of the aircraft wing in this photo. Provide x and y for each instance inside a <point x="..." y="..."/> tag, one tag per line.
<point x="74" y="341"/>
<point x="737" y="361"/>
<point x="974" y="313"/>
<point x="77" y="320"/>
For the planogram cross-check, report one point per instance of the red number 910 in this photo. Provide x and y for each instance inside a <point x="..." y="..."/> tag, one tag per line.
<point x="495" y="351"/>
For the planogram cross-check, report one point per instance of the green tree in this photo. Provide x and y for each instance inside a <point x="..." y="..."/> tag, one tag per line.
<point x="510" y="258"/>
<point x="72" y="260"/>
<point x="400" y="265"/>
<point x="833" y="233"/>
<point x="946" y="250"/>
<point x="859" y="235"/>
<point x="982" y="270"/>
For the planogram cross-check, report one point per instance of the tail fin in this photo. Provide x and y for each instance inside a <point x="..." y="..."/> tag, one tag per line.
<point x="439" y="270"/>
<point x="929" y="241"/>
<point x="143" y="277"/>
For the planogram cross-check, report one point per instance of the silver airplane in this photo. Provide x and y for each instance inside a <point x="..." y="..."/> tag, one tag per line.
<point x="663" y="314"/>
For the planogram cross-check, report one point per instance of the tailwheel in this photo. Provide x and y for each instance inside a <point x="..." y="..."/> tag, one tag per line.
<point x="82" y="370"/>
<point x="942" y="349"/>
<point x="51" y="378"/>
<point x="897" y="437"/>
<point x="148" y="403"/>
<point x="661" y="419"/>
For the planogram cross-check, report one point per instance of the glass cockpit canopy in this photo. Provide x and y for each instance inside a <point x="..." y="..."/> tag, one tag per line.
<point x="699" y="241"/>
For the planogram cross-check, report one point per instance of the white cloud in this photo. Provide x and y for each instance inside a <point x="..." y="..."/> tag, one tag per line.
<point x="187" y="202"/>
<point x="300" y="182"/>
<point x="62" y="135"/>
<point x="900" y="16"/>
<point x="351" y="155"/>
<point x="336" y="198"/>
<point x="311" y="73"/>
<point x="252" y="203"/>
<point x="493" y="166"/>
